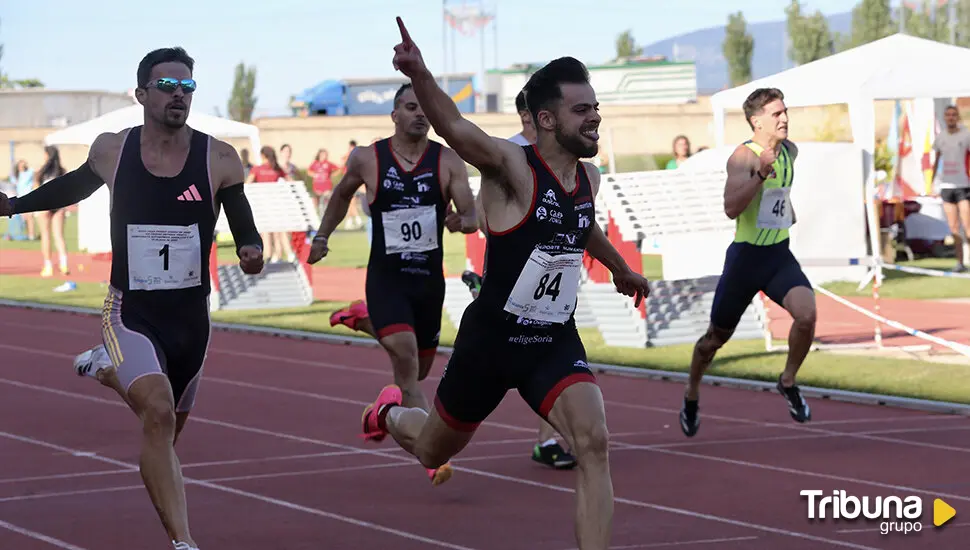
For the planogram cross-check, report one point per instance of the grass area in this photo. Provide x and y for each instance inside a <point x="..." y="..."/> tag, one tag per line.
<point x="743" y="359"/>
<point x="351" y="249"/>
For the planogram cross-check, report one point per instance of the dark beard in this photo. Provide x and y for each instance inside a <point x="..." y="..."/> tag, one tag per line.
<point x="575" y="145"/>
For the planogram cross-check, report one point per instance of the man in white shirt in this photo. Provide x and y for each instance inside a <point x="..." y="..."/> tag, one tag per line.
<point x="547" y="450"/>
<point x="952" y="148"/>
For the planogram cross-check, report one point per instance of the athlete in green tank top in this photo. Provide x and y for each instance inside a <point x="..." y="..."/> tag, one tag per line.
<point x="766" y="219"/>
<point x="757" y="191"/>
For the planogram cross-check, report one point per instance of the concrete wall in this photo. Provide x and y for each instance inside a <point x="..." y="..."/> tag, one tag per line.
<point x="636" y="130"/>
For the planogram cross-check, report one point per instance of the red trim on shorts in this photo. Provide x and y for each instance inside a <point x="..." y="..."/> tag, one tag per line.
<point x="427" y="352"/>
<point x="394" y="329"/>
<point x="451" y="421"/>
<point x="561" y="386"/>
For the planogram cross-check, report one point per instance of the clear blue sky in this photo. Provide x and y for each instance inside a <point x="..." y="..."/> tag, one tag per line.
<point x="295" y="44"/>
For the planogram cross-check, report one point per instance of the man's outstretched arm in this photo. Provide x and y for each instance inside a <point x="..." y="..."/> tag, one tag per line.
<point x="470" y="142"/>
<point x="71" y="188"/>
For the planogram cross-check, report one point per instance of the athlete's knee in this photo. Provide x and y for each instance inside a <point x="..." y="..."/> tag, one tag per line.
<point x="800" y="303"/>
<point x="713" y="340"/>
<point x="591" y="444"/>
<point x="158" y="419"/>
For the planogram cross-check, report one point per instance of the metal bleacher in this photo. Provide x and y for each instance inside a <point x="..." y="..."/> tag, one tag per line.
<point x="670" y="205"/>
<point x="283" y="207"/>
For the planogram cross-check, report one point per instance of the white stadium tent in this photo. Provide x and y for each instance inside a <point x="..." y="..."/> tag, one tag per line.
<point x="93" y="231"/>
<point x="896" y="67"/>
<point x="127" y="117"/>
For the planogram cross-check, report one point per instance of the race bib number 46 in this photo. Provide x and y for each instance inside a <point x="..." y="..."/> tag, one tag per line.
<point x="410" y="229"/>
<point x="546" y="288"/>
<point x="164" y="257"/>
<point x="775" y="212"/>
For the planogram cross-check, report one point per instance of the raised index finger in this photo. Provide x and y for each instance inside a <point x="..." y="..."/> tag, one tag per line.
<point x="405" y="37"/>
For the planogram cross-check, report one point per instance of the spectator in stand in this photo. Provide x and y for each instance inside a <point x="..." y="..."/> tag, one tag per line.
<point x="681" y="152"/>
<point x="51" y="222"/>
<point x="286" y="155"/>
<point x="321" y="170"/>
<point x="270" y="171"/>
<point x="21" y="183"/>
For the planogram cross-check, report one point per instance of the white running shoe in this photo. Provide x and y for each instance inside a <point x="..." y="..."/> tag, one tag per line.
<point x="184" y="546"/>
<point x="92" y="361"/>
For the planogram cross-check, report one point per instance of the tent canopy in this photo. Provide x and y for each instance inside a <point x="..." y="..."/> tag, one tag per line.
<point x="128" y="117"/>
<point x="896" y="67"/>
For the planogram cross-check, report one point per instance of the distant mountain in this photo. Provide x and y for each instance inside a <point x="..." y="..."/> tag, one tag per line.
<point x="704" y="48"/>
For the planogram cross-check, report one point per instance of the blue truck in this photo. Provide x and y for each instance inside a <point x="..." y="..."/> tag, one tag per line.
<point x="351" y="97"/>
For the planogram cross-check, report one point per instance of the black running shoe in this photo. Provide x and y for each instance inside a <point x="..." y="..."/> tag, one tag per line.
<point x="690" y="421"/>
<point x="797" y="406"/>
<point x="554" y="456"/>
<point x="472" y="280"/>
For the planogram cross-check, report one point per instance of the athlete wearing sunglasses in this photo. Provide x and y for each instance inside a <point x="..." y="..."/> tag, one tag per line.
<point x="167" y="184"/>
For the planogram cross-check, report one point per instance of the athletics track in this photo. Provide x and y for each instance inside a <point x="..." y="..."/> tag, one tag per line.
<point x="274" y="462"/>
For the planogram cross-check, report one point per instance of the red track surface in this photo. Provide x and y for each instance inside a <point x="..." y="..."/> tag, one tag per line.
<point x="273" y="446"/>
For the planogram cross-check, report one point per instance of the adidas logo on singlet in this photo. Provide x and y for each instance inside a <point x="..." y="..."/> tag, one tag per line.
<point x="191" y="194"/>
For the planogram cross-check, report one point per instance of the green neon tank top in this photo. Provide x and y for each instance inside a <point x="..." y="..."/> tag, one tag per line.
<point x="767" y="224"/>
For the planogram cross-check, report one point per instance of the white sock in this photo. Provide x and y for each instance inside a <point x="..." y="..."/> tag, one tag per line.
<point x="550" y="441"/>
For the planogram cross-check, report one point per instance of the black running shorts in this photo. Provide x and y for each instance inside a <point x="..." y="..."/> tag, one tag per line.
<point x="399" y="303"/>
<point x="146" y="338"/>
<point x="492" y="357"/>
<point x="749" y="269"/>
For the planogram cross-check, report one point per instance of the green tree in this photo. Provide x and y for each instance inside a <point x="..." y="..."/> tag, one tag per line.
<point x="737" y="48"/>
<point x="871" y="20"/>
<point x="924" y="23"/>
<point x="242" y="102"/>
<point x="810" y="36"/>
<point x="963" y="23"/>
<point x="626" y="45"/>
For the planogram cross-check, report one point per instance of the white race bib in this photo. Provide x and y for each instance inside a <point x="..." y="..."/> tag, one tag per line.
<point x="164" y="257"/>
<point x="775" y="212"/>
<point x="410" y="229"/>
<point x="546" y="288"/>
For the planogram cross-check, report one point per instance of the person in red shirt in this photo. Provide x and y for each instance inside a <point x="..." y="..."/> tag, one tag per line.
<point x="321" y="169"/>
<point x="270" y="171"/>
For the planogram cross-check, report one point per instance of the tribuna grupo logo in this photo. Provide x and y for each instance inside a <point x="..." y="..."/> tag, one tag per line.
<point x="895" y="514"/>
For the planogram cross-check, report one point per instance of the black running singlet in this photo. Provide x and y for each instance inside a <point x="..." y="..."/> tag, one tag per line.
<point x="408" y="214"/>
<point x="532" y="272"/>
<point x="162" y="228"/>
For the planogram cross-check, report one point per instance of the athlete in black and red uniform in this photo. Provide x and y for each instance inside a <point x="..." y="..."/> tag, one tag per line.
<point x="167" y="183"/>
<point x="410" y="181"/>
<point x="520" y="332"/>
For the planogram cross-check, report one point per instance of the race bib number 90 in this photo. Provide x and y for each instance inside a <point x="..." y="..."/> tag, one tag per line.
<point x="410" y="229"/>
<point x="775" y="211"/>
<point x="546" y="287"/>
<point x="164" y="257"/>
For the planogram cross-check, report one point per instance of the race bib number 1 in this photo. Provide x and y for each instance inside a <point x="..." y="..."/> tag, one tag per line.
<point x="546" y="288"/>
<point x="164" y="257"/>
<point x="775" y="212"/>
<point x="410" y="229"/>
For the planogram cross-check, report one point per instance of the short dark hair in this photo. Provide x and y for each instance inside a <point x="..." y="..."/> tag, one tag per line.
<point x="400" y="91"/>
<point x="757" y="100"/>
<point x="159" y="56"/>
<point x="543" y="89"/>
<point x="520" y="102"/>
<point x="953" y="108"/>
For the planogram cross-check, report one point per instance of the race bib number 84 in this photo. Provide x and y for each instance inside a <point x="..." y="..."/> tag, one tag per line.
<point x="775" y="211"/>
<point x="410" y="229"/>
<point x="546" y="288"/>
<point x="164" y="257"/>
